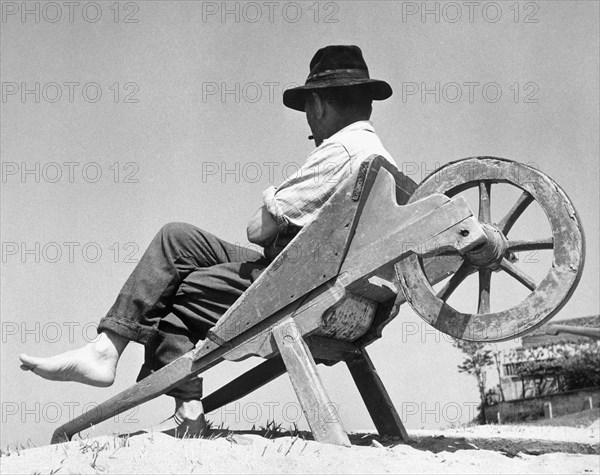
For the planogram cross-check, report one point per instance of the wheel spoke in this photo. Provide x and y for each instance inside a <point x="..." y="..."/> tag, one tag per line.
<point x="521" y="205"/>
<point x="537" y="244"/>
<point x="518" y="274"/>
<point x="461" y="274"/>
<point x="485" y="280"/>
<point x="485" y="213"/>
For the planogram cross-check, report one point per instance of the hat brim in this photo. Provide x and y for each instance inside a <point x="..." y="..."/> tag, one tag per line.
<point x="375" y="89"/>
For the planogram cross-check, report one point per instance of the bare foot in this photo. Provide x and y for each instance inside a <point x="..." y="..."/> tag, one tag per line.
<point x="188" y="421"/>
<point x="94" y="364"/>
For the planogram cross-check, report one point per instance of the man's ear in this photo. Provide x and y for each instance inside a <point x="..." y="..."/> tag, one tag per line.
<point x="319" y="105"/>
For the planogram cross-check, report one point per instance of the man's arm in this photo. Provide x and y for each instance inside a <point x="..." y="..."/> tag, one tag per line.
<point x="262" y="228"/>
<point x="296" y="202"/>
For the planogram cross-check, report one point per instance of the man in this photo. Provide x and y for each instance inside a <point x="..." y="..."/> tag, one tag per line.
<point x="188" y="278"/>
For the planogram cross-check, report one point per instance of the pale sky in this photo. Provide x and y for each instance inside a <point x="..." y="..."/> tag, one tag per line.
<point x="190" y="127"/>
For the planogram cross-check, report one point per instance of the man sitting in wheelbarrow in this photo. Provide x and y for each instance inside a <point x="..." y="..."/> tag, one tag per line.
<point x="188" y="278"/>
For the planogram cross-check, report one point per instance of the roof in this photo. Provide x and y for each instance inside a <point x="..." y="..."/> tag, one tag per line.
<point x="538" y="337"/>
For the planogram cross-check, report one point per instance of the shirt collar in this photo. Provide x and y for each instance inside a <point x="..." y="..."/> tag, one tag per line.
<point x="358" y="125"/>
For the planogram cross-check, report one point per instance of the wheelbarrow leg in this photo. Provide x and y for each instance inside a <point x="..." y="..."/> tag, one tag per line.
<point x="243" y="385"/>
<point x="376" y="398"/>
<point x="316" y="405"/>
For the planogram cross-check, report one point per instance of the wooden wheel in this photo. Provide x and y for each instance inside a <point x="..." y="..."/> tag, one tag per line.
<point x="545" y="298"/>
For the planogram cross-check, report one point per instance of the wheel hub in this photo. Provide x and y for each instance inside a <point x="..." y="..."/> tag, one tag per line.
<point x="490" y="254"/>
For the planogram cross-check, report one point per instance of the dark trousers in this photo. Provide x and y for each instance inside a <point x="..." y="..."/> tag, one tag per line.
<point x="185" y="281"/>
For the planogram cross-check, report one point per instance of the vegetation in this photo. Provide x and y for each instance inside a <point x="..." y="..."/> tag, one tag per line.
<point x="478" y="357"/>
<point x="573" y="368"/>
<point x="582" y="370"/>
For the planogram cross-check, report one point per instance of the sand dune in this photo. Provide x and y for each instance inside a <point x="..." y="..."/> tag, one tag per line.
<point x="481" y="449"/>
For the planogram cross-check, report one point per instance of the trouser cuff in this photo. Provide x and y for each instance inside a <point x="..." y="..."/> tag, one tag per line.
<point x="131" y="330"/>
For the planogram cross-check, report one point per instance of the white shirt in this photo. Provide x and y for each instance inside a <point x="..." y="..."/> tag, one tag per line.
<point x="298" y="199"/>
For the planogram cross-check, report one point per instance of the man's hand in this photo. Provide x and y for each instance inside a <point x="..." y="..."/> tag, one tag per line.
<point x="262" y="228"/>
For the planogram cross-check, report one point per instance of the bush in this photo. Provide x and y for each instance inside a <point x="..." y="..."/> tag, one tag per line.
<point x="582" y="369"/>
<point x="576" y="367"/>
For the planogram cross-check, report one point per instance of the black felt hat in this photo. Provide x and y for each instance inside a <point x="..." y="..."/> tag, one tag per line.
<point x="337" y="66"/>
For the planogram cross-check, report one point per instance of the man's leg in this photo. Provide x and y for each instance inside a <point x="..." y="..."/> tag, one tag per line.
<point x="202" y="298"/>
<point x="174" y="339"/>
<point x="177" y="250"/>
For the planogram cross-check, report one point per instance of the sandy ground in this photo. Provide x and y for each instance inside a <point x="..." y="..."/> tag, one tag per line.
<point x="480" y="449"/>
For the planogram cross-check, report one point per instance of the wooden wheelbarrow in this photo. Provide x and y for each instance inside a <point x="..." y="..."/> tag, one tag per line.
<point x="379" y="241"/>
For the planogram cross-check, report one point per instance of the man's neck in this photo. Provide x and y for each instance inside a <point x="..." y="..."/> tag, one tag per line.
<point x="336" y="125"/>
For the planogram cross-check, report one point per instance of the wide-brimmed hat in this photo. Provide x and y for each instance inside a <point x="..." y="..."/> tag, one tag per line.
<point x="337" y="66"/>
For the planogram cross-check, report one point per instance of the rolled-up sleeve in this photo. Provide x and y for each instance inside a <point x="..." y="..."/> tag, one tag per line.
<point x="299" y="198"/>
<point x="274" y="209"/>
